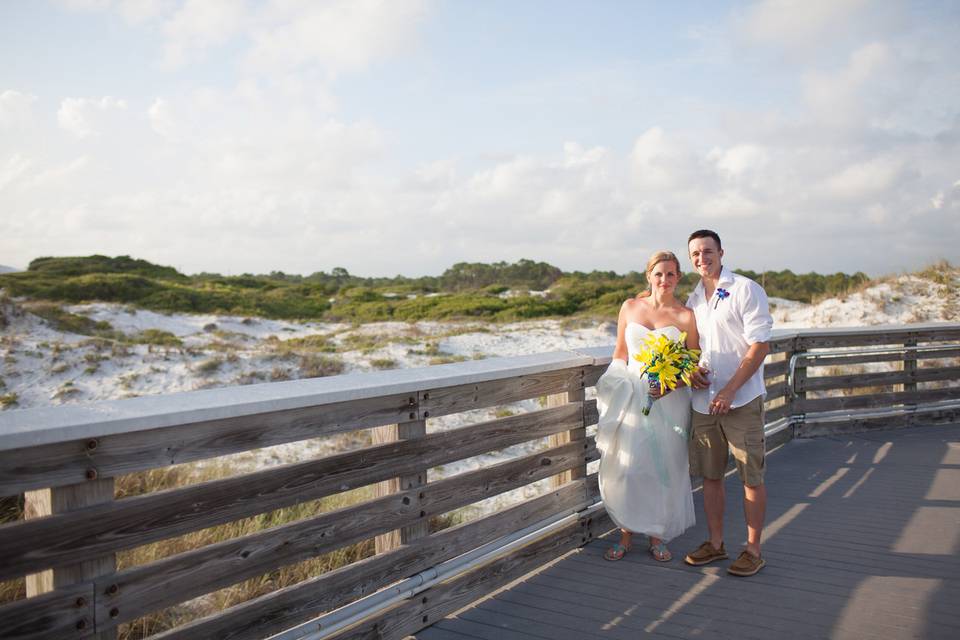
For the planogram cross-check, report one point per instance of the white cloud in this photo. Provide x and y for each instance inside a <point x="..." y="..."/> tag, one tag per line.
<point x="838" y="97"/>
<point x="200" y="24"/>
<point x="80" y="116"/>
<point x="339" y="35"/>
<point x="141" y="11"/>
<point x="866" y="180"/>
<point x="12" y="169"/>
<point x="86" y="5"/>
<point x="270" y="169"/>
<point x="799" y="24"/>
<point x="663" y="162"/>
<point x="16" y="108"/>
<point x="161" y="118"/>
<point x="284" y="35"/>
<point x="134" y="12"/>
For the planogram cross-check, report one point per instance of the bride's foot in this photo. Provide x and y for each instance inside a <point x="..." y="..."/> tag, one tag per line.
<point x="617" y="551"/>
<point x="659" y="551"/>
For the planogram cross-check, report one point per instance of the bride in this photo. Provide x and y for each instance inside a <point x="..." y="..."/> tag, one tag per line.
<point x="644" y="478"/>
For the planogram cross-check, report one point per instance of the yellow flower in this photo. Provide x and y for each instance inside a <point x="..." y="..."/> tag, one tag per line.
<point x="667" y="360"/>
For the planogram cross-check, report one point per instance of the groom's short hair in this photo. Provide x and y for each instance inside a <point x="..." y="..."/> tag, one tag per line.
<point x="705" y="233"/>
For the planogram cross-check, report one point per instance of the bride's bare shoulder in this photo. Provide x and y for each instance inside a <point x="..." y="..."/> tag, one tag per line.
<point x="686" y="316"/>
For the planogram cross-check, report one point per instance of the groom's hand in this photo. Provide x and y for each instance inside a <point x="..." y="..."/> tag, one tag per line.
<point x="655" y="392"/>
<point x="721" y="403"/>
<point x="698" y="379"/>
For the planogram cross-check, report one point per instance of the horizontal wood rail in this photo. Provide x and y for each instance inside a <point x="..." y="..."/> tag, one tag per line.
<point x="66" y="460"/>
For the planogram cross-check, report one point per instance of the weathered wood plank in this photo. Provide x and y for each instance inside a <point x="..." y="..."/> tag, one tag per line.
<point x="776" y="369"/>
<point x="433" y="604"/>
<point x="910" y="367"/>
<point x="593" y="486"/>
<point x="780" y="437"/>
<point x="135" y="521"/>
<point x="114" y="455"/>
<point x="563" y="437"/>
<point x="590" y="412"/>
<point x="782" y="345"/>
<point x="777" y="412"/>
<point x="438" y="402"/>
<point x="178" y="578"/>
<point x="874" y="336"/>
<point x="880" y="378"/>
<point x="776" y="390"/>
<point x="416" y="478"/>
<point x="592" y="374"/>
<point x="293" y="605"/>
<point x="66" y="612"/>
<point x="808" y="405"/>
<point x="83" y="568"/>
<point x="833" y="360"/>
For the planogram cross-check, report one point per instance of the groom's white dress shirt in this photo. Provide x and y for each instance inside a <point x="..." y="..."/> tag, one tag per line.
<point x="728" y="325"/>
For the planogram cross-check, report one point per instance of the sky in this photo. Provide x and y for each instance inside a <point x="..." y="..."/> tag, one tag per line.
<point x="402" y="136"/>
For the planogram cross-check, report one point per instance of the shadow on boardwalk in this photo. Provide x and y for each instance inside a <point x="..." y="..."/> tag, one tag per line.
<point x="862" y="541"/>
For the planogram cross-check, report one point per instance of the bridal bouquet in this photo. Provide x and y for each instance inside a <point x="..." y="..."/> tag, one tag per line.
<point x="666" y="362"/>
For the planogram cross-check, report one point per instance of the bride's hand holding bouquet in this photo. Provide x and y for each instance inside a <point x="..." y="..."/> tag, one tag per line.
<point x="666" y="363"/>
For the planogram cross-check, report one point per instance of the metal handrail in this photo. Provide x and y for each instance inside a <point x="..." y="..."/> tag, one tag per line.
<point x="876" y="350"/>
<point x="791" y="367"/>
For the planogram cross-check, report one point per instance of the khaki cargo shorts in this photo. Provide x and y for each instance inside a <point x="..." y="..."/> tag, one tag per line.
<point x="740" y="432"/>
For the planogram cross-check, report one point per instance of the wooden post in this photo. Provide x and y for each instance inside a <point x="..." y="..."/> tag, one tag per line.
<point x="799" y="376"/>
<point x="44" y="502"/>
<point x="391" y="433"/>
<point x="910" y="363"/>
<point x="564" y="437"/>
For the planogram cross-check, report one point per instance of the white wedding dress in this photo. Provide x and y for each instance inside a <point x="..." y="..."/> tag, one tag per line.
<point x="644" y="473"/>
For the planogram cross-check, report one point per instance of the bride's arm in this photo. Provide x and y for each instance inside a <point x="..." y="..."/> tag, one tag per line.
<point x="620" y="351"/>
<point x="693" y="338"/>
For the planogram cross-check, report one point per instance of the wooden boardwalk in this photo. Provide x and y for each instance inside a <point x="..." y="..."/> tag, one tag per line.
<point x="862" y="541"/>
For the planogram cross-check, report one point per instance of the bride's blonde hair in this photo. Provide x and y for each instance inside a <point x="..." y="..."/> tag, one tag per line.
<point x="657" y="258"/>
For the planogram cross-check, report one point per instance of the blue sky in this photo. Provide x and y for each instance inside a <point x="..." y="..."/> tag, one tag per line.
<point x="403" y="136"/>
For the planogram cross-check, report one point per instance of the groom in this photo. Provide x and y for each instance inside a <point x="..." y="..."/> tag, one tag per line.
<point x="734" y="323"/>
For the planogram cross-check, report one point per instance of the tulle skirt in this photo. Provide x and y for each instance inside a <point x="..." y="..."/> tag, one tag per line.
<point x="644" y="471"/>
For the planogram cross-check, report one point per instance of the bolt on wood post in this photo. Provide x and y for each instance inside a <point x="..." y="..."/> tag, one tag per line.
<point x="910" y="364"/>
<point x="797" y="381"/>
<point x="45" y="502"/>
<point x="392" y="433"/>
<point x="565" y="437"/>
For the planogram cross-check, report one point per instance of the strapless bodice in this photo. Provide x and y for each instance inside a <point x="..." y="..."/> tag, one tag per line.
<point x="636" y="335"/>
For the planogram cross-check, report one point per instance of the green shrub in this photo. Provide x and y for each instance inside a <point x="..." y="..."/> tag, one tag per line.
<point x="209" y="366"/>
<point x="62" y="320"/>
<point x="108" y="287"/>
<point x="9" y="400"/>
<point x="319" y="366"/>
<point x="102" y="264"/>
<point x="468" y="290"/>
<point x="157" y="337"/>
<point x="65" y="391"/>
<point x="316" y="342"/>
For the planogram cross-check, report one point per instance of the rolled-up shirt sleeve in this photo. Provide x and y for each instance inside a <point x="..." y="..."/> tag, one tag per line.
<point x="755" y="310"/>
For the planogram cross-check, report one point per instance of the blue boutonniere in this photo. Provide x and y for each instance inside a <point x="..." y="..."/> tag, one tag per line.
<point x="722" y="294"/>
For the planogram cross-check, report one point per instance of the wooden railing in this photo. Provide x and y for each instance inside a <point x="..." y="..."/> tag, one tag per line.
<point x="65" y="460"/>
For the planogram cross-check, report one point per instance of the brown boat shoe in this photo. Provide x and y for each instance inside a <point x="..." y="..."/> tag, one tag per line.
<point x="705" y="554"/>
<point x="746" y="564"/>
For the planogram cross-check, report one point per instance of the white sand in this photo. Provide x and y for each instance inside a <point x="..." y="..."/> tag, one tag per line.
<point x="42" y="366"/>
